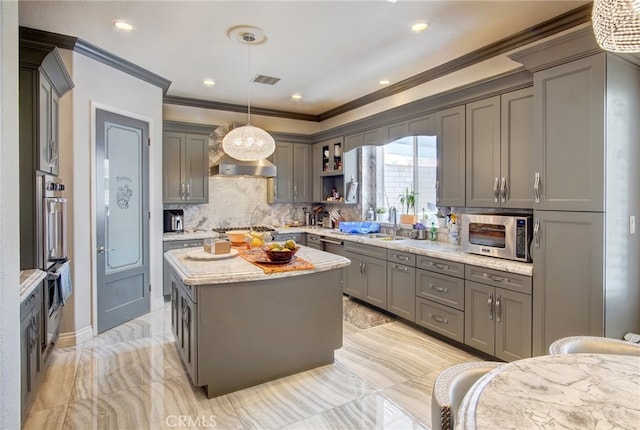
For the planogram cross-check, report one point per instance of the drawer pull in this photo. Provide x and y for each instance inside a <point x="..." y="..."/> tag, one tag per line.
<point x="403" y="268"/>
<point x="439" y="289"/>
<point x="401" y="257"/>
<point x="495" y="278"/>
<point x="440" y="266"/>
<point x="439" y="319"/>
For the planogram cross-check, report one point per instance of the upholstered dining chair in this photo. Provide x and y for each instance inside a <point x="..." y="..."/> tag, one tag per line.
<point x="594" y="345"/>
<point x="450" y="387"/>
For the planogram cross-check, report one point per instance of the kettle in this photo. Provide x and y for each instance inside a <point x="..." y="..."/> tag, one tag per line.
<point x="177" y="224"/>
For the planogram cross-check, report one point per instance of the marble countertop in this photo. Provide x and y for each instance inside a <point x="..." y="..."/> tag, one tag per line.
<point x="29" y="280"/>
<point x="443" y="250"/>
<point x="569" y="391"/>
<point x="237" y="269"/>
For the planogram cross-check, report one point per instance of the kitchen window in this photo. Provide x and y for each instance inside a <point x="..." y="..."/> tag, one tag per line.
<point x="410" y="163"/>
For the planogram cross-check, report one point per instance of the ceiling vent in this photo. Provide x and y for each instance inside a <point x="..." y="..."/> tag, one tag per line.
<point x="267" y="80"/>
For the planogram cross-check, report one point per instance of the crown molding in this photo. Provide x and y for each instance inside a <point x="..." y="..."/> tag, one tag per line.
<point x="41" y="38"/>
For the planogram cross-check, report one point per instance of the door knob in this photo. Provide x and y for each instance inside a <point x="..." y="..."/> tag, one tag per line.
<point x="101" y="250"/>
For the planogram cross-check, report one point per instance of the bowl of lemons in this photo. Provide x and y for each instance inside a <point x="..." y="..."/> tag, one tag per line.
<point x="256" y="239"/>
<point x="281" y="252"/>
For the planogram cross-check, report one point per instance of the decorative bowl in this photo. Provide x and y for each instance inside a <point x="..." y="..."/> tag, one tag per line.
<point x="280" y="255"/>
<point x="237" y="236"/>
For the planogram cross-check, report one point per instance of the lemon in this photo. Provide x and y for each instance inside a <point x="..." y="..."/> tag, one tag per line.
<point x="256" y="242"/>
<point x="290" y="244"/>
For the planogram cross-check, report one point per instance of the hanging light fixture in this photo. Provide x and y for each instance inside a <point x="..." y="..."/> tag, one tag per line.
<point x="248" y="143"/>
<point x="616" y="25"/>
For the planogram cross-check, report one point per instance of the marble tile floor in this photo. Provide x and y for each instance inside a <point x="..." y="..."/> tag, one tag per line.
<point x="131" y="377"/>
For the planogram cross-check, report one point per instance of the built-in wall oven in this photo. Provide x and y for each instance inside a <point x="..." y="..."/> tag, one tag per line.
<point x="52" y="255"/>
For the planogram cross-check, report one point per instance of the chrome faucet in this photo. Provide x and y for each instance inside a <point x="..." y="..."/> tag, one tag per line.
<point x="393" y="217"/>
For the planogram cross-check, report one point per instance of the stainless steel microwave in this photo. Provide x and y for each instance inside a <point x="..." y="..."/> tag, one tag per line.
<point x="497" y="235"/>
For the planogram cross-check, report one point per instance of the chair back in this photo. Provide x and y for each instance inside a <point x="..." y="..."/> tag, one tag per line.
<point x="593" y="345"/>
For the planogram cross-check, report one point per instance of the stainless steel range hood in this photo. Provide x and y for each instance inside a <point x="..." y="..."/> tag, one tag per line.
<point x="228" y="166"/>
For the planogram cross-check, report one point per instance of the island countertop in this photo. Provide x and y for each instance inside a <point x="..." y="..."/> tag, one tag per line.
<point x="237" y="269"/>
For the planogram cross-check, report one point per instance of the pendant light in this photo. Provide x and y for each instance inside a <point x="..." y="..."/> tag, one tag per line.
<point x="248" y="143"/>
<point x="616" y="25"/>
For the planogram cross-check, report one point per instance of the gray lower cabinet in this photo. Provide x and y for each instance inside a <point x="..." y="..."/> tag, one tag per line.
<point x="185" y="169"/>
<point x="498" y="319"/>
<point x="168" y="245"/>
<point x="183" y="325"/>
<point x="31" y="370"/>
<point x="299" y="238"/>
<point x="366" y="277"/>
<point x="568" y="276"/>
<point x="450" y="181"/>
<point x="401" y="284"/>
<point x="440" y="296"/>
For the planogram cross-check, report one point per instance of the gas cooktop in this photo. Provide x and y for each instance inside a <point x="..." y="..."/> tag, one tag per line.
<point x="254" y="228"/>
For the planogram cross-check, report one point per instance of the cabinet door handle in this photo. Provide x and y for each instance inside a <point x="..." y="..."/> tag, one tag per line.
<point x="189" y="191"/>
<point x="439" y="319"/>
<point x="295" y="192"/>
<point x="503" y="189"/>
<point x="275" y="189"/>
<point x="490" y="306"/>
<point x="361" y="268"/>
<point x="182" y="191"/>
<point x="439" y="289"/>
<point x="498" y="308"/>
<point x="536" y="187"/>
<point x="495" y="190"/>
<point x="536" y="233"/>
<point x="364" y="268"/>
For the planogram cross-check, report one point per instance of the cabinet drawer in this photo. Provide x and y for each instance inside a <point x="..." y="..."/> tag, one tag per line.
<point x="31" y="301"/>
<point x="371" y="251"/>
<point x="404" y="258"/>
<point x="443" y="289"/>
<point x="497" y="278"/>
<point x="441" y="319"/>
<point x="168" y="245"/>
<point x="445" y="267"/>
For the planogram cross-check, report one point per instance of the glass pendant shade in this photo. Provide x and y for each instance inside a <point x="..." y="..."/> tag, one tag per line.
<point x="248" y="143"/>
<point x="616" y="25"/>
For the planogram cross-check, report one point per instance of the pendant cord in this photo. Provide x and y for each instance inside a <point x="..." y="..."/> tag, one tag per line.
<point x="249" y="83"/>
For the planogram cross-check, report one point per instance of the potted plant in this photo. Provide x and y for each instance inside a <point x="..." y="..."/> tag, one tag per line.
<point x="408" y="202"/>
<point x="379" y="211"/>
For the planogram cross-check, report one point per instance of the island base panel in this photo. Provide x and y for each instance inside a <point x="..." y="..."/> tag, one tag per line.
<point x="253" y="332"/>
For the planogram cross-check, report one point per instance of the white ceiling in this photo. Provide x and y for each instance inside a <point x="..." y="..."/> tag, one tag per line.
<point x="331" y="52"/>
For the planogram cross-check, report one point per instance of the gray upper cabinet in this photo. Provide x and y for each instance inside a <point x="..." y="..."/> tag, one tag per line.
<point x="450" y="182"/>
<point x="568" y="293"/>
<point x="483" y="180"/>
<point x="185" y="165"/>
<point x="373" y="137"/>
<point x="43" y="80"/>
<point x="516" y="148"/>
<point x="499" y="160"/>
<point x="325" y="177"/>
<point x="293" y="182"/>
<point x="569" y="123"/>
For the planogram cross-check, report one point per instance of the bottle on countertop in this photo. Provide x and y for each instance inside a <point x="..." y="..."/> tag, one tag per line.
<point x="453" y="231"/>
<point x="434" y="232"/>
<point x="371" y="216"/>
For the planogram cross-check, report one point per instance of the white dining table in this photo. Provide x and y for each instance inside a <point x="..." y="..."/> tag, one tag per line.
<point x="569" y="391"/>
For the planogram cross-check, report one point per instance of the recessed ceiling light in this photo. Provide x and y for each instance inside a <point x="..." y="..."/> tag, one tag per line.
<point x="384" y="82"/>
<point x="122" y="25"/>
<point x="392" y="1"/>
<point x="296" y="96"/>
<point x="209" y="82"/>
<point x="419" y="26"/>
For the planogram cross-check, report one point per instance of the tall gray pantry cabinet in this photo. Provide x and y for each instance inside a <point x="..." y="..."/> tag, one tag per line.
<point x="586" y="187"/>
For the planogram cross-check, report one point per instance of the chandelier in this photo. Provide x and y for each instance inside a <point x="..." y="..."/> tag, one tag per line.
<point x="616" y="25"/>
<point x="248" y="143"/>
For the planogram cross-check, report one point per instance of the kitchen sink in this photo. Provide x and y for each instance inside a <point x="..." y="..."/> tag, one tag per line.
<point x="382" y="236"/>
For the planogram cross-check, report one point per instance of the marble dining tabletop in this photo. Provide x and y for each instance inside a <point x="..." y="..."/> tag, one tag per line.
<point x="569" y="391"/>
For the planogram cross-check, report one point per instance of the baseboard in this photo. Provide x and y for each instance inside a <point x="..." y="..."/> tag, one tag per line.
<point x="157" y="303"/>
<point x="74" y="338"/>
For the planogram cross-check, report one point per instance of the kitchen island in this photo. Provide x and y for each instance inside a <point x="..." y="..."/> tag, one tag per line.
<point x="236" y="326"/>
